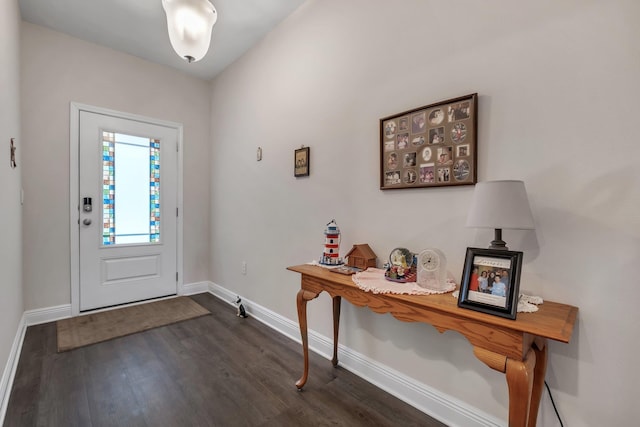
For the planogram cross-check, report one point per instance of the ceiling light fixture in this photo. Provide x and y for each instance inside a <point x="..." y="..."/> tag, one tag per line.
<point x="190" y="23"/>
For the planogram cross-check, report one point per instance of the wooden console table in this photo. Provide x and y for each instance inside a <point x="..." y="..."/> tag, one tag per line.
<point x="516" y="348"/>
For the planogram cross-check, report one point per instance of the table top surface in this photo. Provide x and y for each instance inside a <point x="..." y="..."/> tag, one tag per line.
<point x="552" y="320"/>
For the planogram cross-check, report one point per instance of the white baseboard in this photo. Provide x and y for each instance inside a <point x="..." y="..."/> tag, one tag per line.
<point x="264" y="315"/>
<point x="194" y="288"/>
<point x="436" y="404"/>
<point x="10" y="368"/>
<point x="222" y="293"/>
<point x="45" y="315"/>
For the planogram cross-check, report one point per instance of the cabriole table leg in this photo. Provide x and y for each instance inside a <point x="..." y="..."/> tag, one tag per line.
<point x="336" y="326"/>
<point x="520" y="383"/>
<point x="539" y="372"/>
<point x="301" y="302"/>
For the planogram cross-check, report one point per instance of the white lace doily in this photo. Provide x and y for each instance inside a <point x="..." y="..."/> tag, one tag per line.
<point x="526" y="303"/>
<point x="372" y="280"/>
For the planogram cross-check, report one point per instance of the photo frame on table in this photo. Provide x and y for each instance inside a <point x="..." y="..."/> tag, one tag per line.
<point x="491" y="281"/>
<point x="301" y="162"/>
<point x="430" y="146"/>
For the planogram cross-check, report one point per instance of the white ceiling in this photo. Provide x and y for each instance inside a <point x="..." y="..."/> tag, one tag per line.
<point x="139" y="27"/>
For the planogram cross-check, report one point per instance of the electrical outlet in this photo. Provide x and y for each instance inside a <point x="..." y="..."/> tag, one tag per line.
<point x="244" y="267"/>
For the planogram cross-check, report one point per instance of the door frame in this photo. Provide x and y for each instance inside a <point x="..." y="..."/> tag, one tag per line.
<point x="74" y="192"/>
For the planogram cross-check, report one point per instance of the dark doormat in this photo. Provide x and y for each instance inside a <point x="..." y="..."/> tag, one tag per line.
<point x="97" y="327"/>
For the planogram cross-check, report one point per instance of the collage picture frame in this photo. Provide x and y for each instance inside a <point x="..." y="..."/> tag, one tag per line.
<point x="430" y="146"/>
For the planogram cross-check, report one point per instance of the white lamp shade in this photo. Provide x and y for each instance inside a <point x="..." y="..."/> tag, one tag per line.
<point x="190" y="23"/>
<point x="500" y="204"/>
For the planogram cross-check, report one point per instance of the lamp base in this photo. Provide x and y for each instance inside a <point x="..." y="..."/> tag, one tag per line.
<point x="497" y="242"/>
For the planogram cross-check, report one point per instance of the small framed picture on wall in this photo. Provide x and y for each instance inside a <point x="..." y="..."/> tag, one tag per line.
<point x="301" y="162"/>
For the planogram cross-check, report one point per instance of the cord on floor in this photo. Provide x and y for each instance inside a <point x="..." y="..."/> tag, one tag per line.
<point x="553" y="403"/>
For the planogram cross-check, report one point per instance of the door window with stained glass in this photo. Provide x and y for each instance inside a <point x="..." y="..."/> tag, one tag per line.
<point x="130" y="189"/>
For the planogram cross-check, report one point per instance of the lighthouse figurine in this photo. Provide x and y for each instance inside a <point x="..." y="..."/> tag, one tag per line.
<point x="331" y="253"/>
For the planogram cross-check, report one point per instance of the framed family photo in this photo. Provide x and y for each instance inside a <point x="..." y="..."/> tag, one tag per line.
<point x="301" y="162"/>
<point x="430" y="146"/>
<point x="491" y="281"/>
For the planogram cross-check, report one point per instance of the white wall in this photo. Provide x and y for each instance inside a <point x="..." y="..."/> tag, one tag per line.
<point x="558" y="99"/>
<point x="11" y="304"/>
<point x="58" y="69"/>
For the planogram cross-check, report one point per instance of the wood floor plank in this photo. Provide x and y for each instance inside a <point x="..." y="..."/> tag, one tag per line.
<point x="110" y="397"/>
<point x="216" y="370"/>
<point x="62" y="393"/>
<point x="153" y="393"/>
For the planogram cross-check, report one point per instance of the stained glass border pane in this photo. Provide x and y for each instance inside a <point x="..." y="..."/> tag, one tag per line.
<point x="154" y="190"/>
<point x="108" y="189"/>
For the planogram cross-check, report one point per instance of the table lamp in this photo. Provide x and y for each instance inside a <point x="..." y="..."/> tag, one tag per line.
<point x="498" y="205"/>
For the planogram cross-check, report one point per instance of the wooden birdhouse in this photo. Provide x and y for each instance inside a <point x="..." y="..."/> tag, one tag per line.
<point x="361" y="256"/>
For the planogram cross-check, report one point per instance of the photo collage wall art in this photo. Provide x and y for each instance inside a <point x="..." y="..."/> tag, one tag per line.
<point x="430" y="146"/>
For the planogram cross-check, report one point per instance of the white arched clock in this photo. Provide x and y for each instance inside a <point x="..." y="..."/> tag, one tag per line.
<point x="432" y="269"/>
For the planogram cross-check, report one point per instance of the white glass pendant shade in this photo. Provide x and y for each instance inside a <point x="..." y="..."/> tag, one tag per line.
<point x="190" y="23"/>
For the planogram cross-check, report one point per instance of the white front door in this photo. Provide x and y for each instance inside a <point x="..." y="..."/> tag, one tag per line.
<point x="128" y="175"/>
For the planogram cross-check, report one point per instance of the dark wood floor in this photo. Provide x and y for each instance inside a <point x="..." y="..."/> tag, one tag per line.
<point x="216" y="370"/>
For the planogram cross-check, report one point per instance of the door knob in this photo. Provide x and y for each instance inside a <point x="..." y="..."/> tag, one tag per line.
<point x="86" y="221"/>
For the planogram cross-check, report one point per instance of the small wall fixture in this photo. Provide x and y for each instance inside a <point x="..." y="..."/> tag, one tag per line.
<point x="190" y="23"/>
